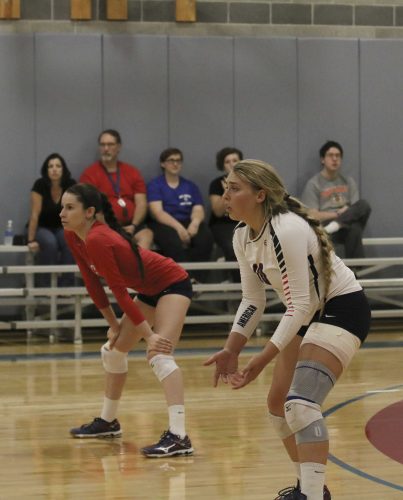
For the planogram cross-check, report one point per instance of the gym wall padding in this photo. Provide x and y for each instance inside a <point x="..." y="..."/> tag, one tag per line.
<point x="277" y="99"/>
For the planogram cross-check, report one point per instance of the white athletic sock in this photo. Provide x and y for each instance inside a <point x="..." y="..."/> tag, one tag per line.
<point x="312" y="480"/>
<point x="177" y="420"/>
<point x="332" y="227"/>
<point x="109" y="409"/>
<point x="297" y="466"/>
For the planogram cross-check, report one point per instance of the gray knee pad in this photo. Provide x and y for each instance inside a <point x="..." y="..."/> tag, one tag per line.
<point x="314" y="433"/>
<point x="114" y="361"/>
<point x="310" y="386"/>
<point x="312" y="381"/>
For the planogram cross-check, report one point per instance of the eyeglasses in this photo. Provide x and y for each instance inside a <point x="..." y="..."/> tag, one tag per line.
<point x="174" y="160"/>
<point x="333" y="155"/>
<point x="107" y="144"/>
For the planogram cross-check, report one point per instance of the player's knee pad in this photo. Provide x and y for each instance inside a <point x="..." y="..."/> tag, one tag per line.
<point x="163" y="365"/>
<point x="114" y="361"/>
<point x="314" y="433"/>
<point x="312" y="381"/>
<point x="280" y="426"/>
<point x="305" y="420"/>
<point x="310" y="386"/>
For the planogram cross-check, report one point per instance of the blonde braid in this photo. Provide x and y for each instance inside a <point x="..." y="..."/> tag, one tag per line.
<point x="294" y="205"/>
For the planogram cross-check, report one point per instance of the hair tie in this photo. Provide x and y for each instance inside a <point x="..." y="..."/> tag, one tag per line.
<point x="286" y="197"/>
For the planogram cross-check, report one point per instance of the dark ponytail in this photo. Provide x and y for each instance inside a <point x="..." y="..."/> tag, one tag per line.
<point x="89" y="196"/>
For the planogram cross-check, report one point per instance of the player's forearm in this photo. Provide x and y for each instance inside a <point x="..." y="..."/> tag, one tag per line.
<point x="235" y="342"/>
<point x="110" y="317"/>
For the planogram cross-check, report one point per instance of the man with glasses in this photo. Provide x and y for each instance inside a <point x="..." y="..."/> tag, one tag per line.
<point x="334" y="201"/>
<point x="176" y="207"/>
<point x="123" y="185"/>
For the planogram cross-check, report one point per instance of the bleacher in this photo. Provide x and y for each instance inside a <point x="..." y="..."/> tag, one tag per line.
<point x="214" y="302"/>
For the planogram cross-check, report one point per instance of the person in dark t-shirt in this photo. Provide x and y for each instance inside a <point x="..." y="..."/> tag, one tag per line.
<point x="45" y="232"/>
<point x="220" y="224"/>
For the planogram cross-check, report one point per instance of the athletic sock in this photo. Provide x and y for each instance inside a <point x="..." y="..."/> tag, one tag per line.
<point x="332" y="227"/>
<point x="177" y="420"/>
<point x="297" y="467"/>
<point x="312" y="480"/>
<point x="109" y="409"/>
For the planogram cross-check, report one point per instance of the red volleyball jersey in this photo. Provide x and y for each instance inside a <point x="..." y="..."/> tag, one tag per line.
<point x="106" y="254"/>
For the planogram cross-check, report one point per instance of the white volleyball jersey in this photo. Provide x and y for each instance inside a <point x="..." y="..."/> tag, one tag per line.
<point x="286" y="255"/>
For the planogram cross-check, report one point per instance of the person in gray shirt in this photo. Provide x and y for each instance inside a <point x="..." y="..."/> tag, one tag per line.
<point x="334" y="200"/>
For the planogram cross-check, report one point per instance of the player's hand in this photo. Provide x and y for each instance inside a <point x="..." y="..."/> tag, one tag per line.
<point x="113" y="336"/>
<point x="254" y="367"/>
<point x="226" y="365"/>
<point x="159" y="344"/>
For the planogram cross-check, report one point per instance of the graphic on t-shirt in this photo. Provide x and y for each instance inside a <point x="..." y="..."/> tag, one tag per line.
<point x="185" y="199"/>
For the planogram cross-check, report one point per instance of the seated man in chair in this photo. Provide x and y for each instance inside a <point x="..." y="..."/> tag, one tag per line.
<point x="334" y="200"/>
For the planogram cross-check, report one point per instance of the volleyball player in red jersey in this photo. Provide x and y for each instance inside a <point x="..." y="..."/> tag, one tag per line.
<point x="164" y="295"/>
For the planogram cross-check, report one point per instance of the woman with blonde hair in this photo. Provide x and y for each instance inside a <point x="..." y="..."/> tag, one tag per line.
<point x="327" y="316"/>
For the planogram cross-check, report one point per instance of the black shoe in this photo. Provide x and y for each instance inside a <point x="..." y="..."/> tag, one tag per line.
<point x="98" y="428"/>
<point x="294" y="493"/>
<point x="169" y="445"/>
<point x="290" y="493"/>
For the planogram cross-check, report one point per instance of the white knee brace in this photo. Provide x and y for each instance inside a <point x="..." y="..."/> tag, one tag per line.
<point x="306" y="421"/>
<point x="114" y="361"/>
<point x="299" y="413"/>
<point x="163" y="365"/>
<point x="280" y="426"/>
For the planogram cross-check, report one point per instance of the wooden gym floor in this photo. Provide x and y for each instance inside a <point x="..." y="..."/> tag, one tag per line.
<point x="46" y="389"/>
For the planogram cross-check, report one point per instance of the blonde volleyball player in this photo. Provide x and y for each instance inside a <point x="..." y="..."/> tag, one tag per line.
<point x="327" y="316"/>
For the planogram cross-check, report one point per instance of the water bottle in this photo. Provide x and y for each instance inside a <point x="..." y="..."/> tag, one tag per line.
<point x="9" y="233"/>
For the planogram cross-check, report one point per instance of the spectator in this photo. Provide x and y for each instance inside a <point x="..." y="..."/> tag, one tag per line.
<point x="220" y="224"/>
<point x="334" y="201"/>
<point x="176" y="205"/>
<point x="45" y="232"/>
<point x="123" y="185"/>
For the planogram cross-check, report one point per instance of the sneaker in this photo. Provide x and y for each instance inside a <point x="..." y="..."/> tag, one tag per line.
<point x="97" y="428"/>
<point x="294" y="493"/>
<point x="326" y="493"/>
<point x="289" y="493"/>
<point x="169" y="445"/>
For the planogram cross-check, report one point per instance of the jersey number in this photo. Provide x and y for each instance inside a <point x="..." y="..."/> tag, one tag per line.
<point x="258" y="269"/>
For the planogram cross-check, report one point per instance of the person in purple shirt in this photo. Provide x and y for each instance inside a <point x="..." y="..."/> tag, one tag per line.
<point x="176" y="208"/>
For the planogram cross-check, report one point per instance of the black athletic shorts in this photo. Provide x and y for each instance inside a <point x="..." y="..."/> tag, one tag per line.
<point x="183" y="287"/>
<point x="350" y="312"/>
